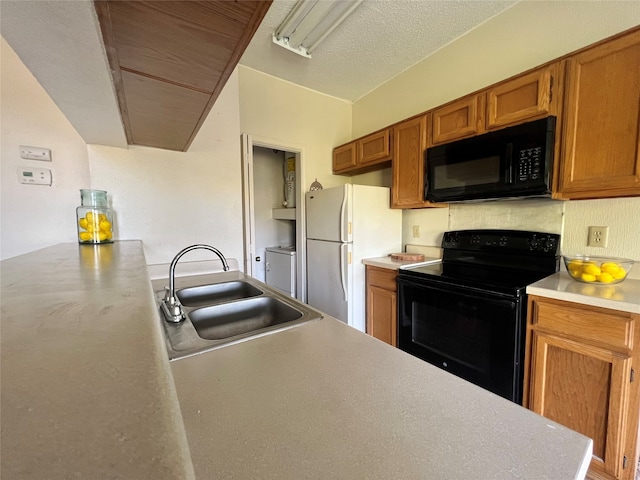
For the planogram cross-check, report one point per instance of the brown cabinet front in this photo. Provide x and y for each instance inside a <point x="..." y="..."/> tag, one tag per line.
<point x="382" y="304"/>
<point x="601" y="144"/>
<point x="580" y="363"/>
<point x="459" y="119"/>
<point x="526" y="97"/>
<point x="374" y="148"/>
<point x="344" y="157"/>
<point x="410" y="139"/>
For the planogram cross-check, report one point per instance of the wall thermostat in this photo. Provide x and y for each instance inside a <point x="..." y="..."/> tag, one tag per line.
<point x="34" y="176"/>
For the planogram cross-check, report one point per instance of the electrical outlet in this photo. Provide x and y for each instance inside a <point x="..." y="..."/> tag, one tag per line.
<point x="598" y="236"/>
<point x="416" y="231"/>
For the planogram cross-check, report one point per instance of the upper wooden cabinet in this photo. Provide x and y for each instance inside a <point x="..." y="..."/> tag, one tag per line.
<point x="409" y="143"/>
<point x="459" y="119"/>
<point x="358" y="156"/>
<point x="374" y="148"/>
<point x="601" y="142"/>
<point x="523" y="98"/>
<point x="580" y="367"/>
<point x="344" y="157"/>
<point x="407" y="167"/>
<point x="170" y="60"/>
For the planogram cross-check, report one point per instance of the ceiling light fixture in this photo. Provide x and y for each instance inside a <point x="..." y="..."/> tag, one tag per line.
<point x="310" y="22"/>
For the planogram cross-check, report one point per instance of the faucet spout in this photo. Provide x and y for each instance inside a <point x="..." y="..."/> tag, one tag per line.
<point x="171" y="305"/>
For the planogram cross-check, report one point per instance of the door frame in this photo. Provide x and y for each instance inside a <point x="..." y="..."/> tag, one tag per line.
<point x="248" y="142"/>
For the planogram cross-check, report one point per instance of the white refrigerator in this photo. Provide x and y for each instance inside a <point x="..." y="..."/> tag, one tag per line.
<point x="345" y="225"/>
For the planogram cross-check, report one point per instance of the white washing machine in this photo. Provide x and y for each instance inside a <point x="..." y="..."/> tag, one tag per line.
<point x="281" y="269"/>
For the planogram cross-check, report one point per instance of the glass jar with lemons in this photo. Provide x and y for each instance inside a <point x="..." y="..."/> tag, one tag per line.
<point x="94" y="218"/>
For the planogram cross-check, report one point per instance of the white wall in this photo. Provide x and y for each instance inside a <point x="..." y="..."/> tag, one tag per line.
<point x="171" y="200"/>
<point x="166" y="199"/>
<point x="273" y="109"/>
<point x="33" y="216"/>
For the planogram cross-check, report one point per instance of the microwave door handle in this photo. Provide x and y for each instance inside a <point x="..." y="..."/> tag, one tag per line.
<point x="508" y="157"/>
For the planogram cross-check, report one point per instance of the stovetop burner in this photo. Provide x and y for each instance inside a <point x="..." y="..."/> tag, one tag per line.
<point x="500" y="261"/>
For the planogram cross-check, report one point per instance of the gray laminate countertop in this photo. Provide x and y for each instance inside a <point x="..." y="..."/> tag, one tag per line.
<point x="324" y="400"/>
<point x="87" y="392"/>
<point x="86" y="389"/>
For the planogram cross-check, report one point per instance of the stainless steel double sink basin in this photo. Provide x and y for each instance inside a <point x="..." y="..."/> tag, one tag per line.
<point x="226" y="312"/>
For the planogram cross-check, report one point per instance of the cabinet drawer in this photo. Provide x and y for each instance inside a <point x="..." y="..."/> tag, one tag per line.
<point x="382" y="278"/>
<point x="593" y="326"/>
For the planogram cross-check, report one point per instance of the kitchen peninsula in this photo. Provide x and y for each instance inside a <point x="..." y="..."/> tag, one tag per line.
<point x="88" y="392"/>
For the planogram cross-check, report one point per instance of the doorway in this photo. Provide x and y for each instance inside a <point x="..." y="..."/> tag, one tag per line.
<point x="273" y="217"/>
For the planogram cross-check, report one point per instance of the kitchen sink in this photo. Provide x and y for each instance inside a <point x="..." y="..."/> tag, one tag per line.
<point x="237" y="318"/>
<point x="216" y="293"/>
<point x="224" y="313"/>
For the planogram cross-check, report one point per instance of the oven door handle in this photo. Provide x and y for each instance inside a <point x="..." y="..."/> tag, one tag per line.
<point x="468" y="292"/>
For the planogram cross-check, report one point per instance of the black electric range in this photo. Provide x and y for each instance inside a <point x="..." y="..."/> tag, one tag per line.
<point x="467" y="314"/>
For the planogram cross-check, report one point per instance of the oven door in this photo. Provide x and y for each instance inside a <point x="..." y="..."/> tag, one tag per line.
<point x="478" y="336"/>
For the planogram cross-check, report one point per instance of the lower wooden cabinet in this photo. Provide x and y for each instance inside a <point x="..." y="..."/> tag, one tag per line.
<point x="382" y="304"/>
<point x="580" y="372"/>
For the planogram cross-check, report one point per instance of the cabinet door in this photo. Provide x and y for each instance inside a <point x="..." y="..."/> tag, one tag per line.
<point x="381" y="314"/>
<point x="601" y="144"/>
<point x="462" y="118"/>
<point x="381" y="304"/>
<point x="374" y="148"/>
<point x="523" y="98"/>
<point x="409" y="143"/>
<point x="344" y="157"/>
<point x="587" y="389"/>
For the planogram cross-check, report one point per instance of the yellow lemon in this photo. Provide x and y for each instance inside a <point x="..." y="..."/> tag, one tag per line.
<point x="102" y="217"/>
<point x="83" y="223"/>
<point x="109" y="235"/>
<point x="105" y="225"/>
<point x="592" y="269"/>
<point x="85" y="236"/>
<point x="605" y="277"/>
<point x="610" y="266"/>
<point x="89" y="216"/>
<point x="621" y="273"/>
<point x="586" y="277"/>
<point x="102" y="236"/>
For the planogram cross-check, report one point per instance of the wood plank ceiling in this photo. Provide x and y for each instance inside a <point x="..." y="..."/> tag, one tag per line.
<point x="170" y="60"/>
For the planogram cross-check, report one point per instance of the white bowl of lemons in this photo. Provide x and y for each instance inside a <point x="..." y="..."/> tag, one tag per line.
<point x="597" y="270"/>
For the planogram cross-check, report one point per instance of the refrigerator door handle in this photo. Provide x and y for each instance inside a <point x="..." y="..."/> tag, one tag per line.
<point x="342" y="219"/>
<point x="343" y="270"/>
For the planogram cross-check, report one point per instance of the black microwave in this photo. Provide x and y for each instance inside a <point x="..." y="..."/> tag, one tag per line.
<point x="508" y="163"/>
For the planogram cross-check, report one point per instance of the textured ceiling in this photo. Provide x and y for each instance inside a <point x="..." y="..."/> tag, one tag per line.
<point x="60" y="42"/>
<point x="379" y="40"/>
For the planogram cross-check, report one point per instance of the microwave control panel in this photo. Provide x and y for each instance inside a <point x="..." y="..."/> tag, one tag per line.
<point x="530" y="164"/>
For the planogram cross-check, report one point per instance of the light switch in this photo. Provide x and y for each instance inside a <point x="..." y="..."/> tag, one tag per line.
<point x="35" y="153"/>
<point x="34" y="176"/>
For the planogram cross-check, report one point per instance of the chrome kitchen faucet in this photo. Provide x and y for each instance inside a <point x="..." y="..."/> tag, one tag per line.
<point x="171" y="305"/>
